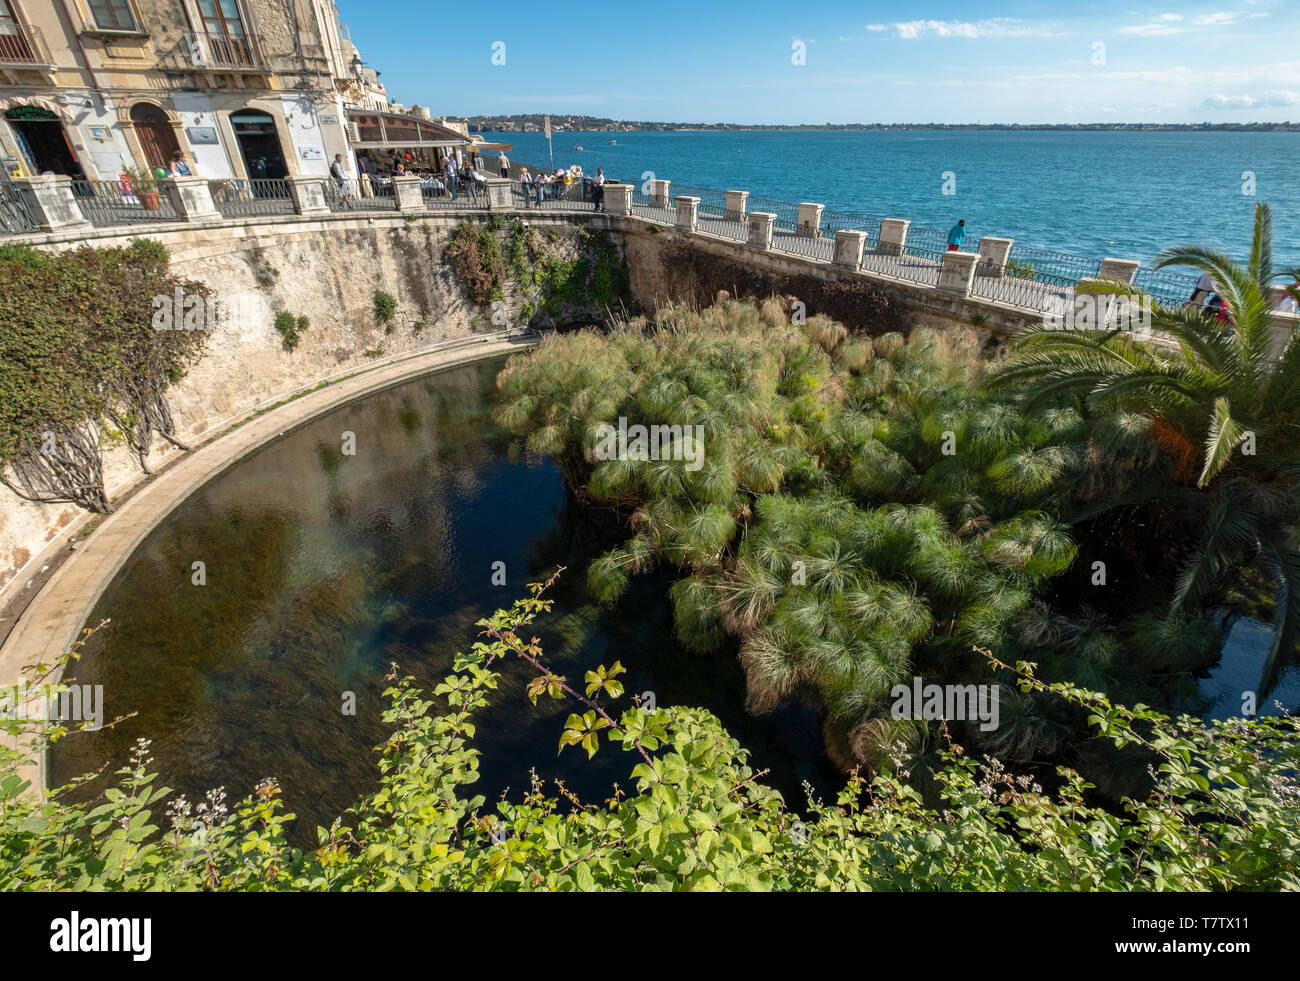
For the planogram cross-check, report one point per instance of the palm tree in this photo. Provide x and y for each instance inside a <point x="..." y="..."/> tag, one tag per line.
<point x="1224" y="411"/>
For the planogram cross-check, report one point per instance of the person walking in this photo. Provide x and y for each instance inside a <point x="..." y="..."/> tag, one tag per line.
<point x="450" y="171"/>
<point x="957" y="235"/>
<point x="342" y="190"/>
<point x="598" y="190"/>
<point x="526" y="182"/>
<point x="505" y="165"/>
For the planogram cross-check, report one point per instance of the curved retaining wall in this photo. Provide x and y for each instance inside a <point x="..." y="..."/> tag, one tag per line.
<point x="53" y="621"/>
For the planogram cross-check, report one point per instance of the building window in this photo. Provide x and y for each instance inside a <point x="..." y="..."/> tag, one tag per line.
<point x="113" y="15"/>
<point x="222" y="17"/>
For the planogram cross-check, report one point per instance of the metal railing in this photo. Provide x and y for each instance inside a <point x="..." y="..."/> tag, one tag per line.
<point x="808" y="246"/>
<point x="835" y="221"/>
<point x="1045" y="266"/>
<point x="460" y="192"/>
<point x="15" y="217"/>
<point x="787" y="214"/>
<point x="1168" y="286"/>
<point x="1031" y="279"/>
<point x="920" y="266"/>
<point x="724" y="226"/>
<point x="1029" y="294"/>
<point x="225" y="51"/>
<point x="256" y="196"/>
<point x="25" y="46"/>
<point x="350" y="196"/>
<point x="712" y="203"/>
<point x="123" y="202"/>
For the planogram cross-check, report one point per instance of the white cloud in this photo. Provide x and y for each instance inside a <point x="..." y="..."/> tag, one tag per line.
<point x="1150" y="30"/>
<point x="1222" y="19"/>
<point x="912" y="30"/>
<point x="1267" y="100"/>
<point x="1166" y="24"/>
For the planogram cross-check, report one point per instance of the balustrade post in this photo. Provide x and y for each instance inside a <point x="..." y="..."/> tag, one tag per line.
<point x="736" y="203"/>
<point x="893" y="236"/>
<point x="957" y="273"/>
<point x="688" y="213"/>
<point x="309" y="195"/>
<point x="191" y="198"/>
<point x="849" y="244"/>
<point x="810" y="219"/>
<point x="760" y="229"/>
<point x="409" y="194"/>
<point x="618" y="199"/>
<point x="1120" y="269"/>
<point x="499" y="195"/>
<point x="658" y="193"/>
<point x="51" y="204"/>
<point x="994" y="253"/>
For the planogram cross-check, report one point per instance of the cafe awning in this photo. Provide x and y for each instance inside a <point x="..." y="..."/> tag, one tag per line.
<point x="385" y="130"/>
<point x="499" y="147"/>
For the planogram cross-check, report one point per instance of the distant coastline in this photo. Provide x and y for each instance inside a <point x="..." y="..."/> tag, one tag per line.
<point x="534" y="123"/>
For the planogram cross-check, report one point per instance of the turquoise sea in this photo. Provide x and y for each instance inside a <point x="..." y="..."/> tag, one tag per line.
<point x="1122" y="194"/>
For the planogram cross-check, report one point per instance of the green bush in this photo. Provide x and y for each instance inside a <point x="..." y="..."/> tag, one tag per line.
<point x="385" y="307"/>
<point x="291" y="328"/>
<point x="863" y="510"/>
<point x="692" y="813"/>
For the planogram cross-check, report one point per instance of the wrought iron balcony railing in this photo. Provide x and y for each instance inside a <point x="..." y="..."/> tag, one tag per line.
<point x="224" y="52"/>
<point x="23" y="45"/>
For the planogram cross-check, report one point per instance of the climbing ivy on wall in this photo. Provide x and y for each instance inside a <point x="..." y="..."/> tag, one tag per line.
<point x="92" y="340"/>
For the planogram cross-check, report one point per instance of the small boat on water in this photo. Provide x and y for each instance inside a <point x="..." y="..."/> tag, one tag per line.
<point x="613" y="142"/>
<point x="577" y="146"/>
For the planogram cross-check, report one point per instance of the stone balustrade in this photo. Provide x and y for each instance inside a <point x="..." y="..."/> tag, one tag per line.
<point x="52" y="203"/>
<point x="688" y="213"/>
<point x="736" y="203"/>
<point x="658" y="194"/>
<point x="761" y="224"/>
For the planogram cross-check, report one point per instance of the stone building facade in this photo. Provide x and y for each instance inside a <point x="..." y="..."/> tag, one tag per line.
<point x="246" y="88"/>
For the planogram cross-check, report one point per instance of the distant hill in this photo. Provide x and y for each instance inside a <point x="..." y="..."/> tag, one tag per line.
<point x="533" y="122"/>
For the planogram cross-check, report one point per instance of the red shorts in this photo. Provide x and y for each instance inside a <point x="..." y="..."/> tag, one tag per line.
<point x="951" y="247"/>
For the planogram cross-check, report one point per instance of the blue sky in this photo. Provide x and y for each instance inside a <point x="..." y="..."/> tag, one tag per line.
<point x="916" y="61"/>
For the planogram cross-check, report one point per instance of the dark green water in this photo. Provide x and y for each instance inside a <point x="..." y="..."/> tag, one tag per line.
<point x="322" y="568"/>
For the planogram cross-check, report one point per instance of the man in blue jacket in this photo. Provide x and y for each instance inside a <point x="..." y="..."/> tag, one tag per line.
<point x="957" y="235"/>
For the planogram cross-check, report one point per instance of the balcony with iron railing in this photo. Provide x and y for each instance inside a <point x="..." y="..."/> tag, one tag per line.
<point x="23" y="45"/>
<point x="226" y="52"/>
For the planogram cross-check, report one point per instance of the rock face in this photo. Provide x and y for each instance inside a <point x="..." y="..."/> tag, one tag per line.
<point x="327" y="272"/>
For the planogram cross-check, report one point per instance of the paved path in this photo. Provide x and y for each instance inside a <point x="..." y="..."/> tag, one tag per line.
<point x="54" y="619"/>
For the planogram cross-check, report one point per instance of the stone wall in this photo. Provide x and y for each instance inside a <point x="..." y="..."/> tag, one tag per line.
<point x="327" y="271"/>
<point x="670" y="265"/>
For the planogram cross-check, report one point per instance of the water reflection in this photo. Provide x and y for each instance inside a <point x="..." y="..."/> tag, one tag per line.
<point x="323" y="567"/>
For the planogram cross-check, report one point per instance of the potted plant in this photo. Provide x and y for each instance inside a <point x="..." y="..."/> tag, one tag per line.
<point x="146" y="187"/>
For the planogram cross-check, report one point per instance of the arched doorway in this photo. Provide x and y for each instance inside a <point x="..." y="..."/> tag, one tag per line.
<point x="155" y="133"/>
<point x="259" y="143"/>
<point x="42" y="141"/>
